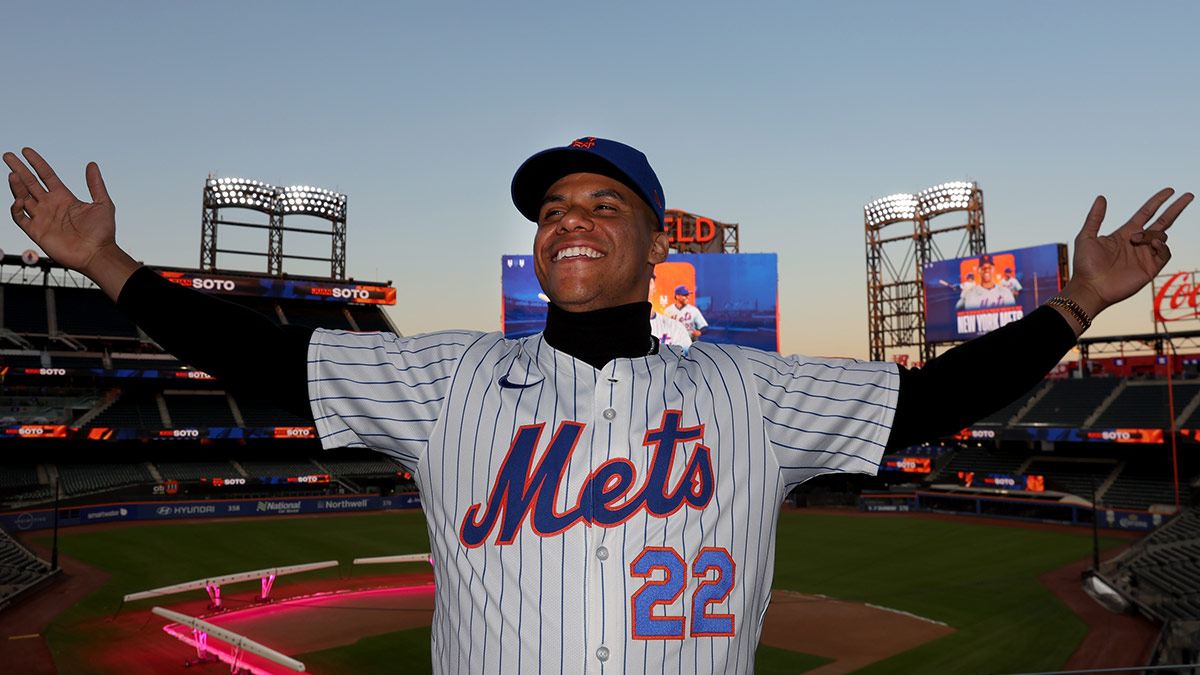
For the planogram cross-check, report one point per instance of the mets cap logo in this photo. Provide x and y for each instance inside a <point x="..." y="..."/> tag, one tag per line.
<point x="586" y="142"/>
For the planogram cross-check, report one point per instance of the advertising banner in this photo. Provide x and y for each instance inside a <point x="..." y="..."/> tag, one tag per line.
<point x="1175" y="296"/>
<point x="297" y="289"/>
<point x="908" y="464"/>
<point x="736" y="293"/>
<point x="44" y="518"/>
<point x="967" y="297"/>
<point x="128" y="434"/>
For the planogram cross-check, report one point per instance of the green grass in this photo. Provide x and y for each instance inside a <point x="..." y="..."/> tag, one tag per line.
<point x="980" y="579"/>
<point x="383" y="654"/>
<point x="380" y="654"/>
<point x="140" y="558"/>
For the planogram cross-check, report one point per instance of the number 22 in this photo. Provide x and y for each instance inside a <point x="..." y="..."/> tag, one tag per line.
<point x="647" y="626"/>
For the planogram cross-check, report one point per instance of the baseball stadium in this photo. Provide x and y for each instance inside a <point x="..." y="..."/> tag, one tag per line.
<point x="154" y="520"/>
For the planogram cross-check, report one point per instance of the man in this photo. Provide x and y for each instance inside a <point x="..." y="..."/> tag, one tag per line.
<point x="668" y="331"/>
<point x="594" y="503"/>
<point x="987" y="293"/>
<point x="686" y="313"/>
<point x="1011" y="282"/>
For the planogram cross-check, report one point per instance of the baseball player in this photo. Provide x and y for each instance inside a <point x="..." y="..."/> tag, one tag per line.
<point x="668" y="331"/>
<point x="988" y="293"/>
<point x="595" y="503"/>
<point x="1010" y="282"/>
<point x="687" y="314"/>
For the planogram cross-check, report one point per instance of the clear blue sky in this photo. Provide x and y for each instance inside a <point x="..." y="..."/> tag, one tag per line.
<point x="784" y="117"/>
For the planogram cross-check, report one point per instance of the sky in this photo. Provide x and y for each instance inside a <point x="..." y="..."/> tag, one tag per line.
<point x="783" y="117"/>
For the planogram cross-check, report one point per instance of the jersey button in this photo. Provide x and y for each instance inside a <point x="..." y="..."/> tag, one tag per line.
<point x="602" y="653"/>
<point x="602" y="553"/>
<point x="610" y="414"/>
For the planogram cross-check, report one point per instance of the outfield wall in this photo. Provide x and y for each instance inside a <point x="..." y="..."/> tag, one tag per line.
<point x="1010" y="508"/>
<point x="40" y="519"/>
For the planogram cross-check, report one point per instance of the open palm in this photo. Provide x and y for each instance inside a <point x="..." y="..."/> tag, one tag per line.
<point x="69" y="230"/>
<point x="1115" y="266"/>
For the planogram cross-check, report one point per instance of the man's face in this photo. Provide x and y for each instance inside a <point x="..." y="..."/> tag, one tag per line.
<point x="596" y="244"/>
<point x="985" y="274"/>
<point x="681" y="300"/>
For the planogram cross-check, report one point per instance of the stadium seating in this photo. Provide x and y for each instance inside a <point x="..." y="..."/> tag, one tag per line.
<point x="197" y="470"/>
<point x="19" y="568"/>
<point x="135" y="408"/>
<point x="88" y="312"/>
<point x="1069" y="403"/>
<point x="1005" y="415"/>
<point x="82" y="478"/>
<point x="310" y="316"/>
<point x="1077" y="478"/>
<point x="25" y="310"/>
<point x="1144" y="405"/>
<point x="981" y="460"/>
<point x="1141" y="485"/>
<point x="361" y="467"/>
<point x="199" y="410"/>
<point x="269" y="468"/>
<point x="370" y="319"/>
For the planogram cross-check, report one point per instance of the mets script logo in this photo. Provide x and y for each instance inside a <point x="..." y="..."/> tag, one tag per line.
<point x="604" y="499"/>
<point x="587" y="142"/>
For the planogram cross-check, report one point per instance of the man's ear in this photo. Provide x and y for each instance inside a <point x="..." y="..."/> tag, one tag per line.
<point x="660" y="245"/>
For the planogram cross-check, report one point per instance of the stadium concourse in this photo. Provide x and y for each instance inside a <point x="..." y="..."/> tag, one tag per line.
<point x="99" y="425"/>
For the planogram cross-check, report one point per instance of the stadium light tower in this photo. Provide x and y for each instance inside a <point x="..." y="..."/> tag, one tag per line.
<point x="895" y="293"/>
<point x="277" y="203"/>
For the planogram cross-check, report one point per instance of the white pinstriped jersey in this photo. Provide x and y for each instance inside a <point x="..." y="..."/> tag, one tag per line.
<point x="599" y="521"/>
<point x="670" y="331"/>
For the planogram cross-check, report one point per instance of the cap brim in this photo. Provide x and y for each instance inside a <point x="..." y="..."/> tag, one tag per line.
<point x="544" y="169"/>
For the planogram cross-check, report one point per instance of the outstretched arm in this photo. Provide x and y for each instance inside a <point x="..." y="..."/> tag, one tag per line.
<point x="76" y="234"/>
<point x="240" y="347"/>
<point x="1108" y="269"/>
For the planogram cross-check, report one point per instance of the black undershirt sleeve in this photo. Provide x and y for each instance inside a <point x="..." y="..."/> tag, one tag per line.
<point x="977" y="378"/>
<point x="243" y="349"/>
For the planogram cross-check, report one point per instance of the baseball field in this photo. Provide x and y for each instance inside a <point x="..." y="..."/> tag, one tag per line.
<point x="980" y="580"/>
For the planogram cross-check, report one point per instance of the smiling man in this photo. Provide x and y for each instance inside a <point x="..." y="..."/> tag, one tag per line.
<point x="596" y="501"/>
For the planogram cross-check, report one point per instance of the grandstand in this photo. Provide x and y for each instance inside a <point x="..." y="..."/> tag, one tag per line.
<point x="112" y="416"/>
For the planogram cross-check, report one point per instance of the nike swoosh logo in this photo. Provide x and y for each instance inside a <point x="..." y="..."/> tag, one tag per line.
<point x="503" y="382"/>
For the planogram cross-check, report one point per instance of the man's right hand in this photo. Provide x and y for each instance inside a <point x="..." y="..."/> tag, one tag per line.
<point x="76" y="234"/>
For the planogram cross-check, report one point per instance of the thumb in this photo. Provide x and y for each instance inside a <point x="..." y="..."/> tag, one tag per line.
<point x="95" y="183"/>
<point x="1091" y="225"/>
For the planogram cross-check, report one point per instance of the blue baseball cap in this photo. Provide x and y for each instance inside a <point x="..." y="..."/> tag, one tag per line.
<point x="682" y="290"/>
<point x="608" y="158"/>
<point x="986" y="259"/>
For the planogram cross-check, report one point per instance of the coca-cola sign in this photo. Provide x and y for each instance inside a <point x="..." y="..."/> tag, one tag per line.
<point x="1175" y="296"/>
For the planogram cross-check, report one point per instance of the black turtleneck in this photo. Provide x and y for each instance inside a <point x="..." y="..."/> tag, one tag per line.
<point x="253" y="355"/>
<point x="601" y="335"/>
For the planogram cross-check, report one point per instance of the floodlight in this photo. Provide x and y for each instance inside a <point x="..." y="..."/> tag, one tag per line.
<point x="305" y="199"/>
<point x="891" y="209"/>
<point x="952" y="196"/>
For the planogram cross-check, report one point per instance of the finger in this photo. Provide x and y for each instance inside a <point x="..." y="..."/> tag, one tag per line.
<point x="22" y="172"/>
<point x="1144" y="214"/>
<point x="16" y="187"/>
<point x="43" y="170"/>
<point x="1161" y="251"/>
<point x="95" y="183"/>
<point x="1091" y="224"/>
<point x="18" y="213"/>
<point x="1148" y="237"/>
<point x="1168" y="217"/>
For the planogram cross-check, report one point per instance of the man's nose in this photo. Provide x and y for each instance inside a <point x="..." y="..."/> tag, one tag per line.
<point x="576" y="218"/>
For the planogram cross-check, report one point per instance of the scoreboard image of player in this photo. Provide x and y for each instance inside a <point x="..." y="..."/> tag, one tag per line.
<point x="738" y="294"/>
<point x="967" y="297"/>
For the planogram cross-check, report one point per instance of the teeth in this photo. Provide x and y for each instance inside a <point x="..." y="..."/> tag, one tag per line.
<point x="576" y="251"/>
